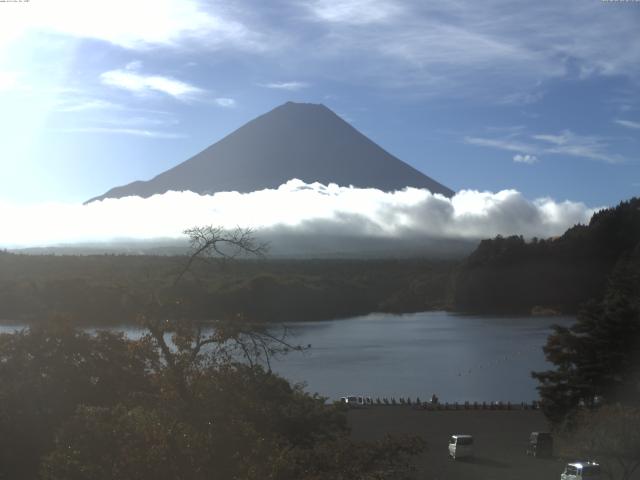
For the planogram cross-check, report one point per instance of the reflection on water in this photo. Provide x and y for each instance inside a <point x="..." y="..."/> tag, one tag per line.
<point x="474" y="358"/>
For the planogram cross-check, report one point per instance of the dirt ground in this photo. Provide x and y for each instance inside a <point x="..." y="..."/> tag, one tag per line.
<point x="500" y="438"/>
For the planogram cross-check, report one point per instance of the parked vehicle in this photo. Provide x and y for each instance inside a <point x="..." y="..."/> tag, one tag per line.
<point x="460" y="446"/>
<point x="540" y="444"/>
<point x="580" y="470"/>
<point x="356" y="401"/>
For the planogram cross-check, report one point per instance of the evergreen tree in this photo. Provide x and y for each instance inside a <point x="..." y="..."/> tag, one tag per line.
<point x="597" y="359"/>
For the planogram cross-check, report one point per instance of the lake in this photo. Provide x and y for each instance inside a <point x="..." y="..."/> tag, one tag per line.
<point x="457" y="357"/>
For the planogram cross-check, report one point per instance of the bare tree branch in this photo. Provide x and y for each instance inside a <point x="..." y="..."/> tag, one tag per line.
<point x="210" y="241"/>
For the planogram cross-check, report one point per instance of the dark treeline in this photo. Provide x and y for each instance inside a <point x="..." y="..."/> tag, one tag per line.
<point x="560" y="274"/>
<point x="113" y="289"/>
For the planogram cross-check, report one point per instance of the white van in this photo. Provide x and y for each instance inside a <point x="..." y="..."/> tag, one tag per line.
<point x="356" y="401"/>
<point x="460" y="446"/>
<point x="580" y="470"/>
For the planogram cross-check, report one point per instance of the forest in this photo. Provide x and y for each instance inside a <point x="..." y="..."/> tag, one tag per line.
<point x="512" y="275"/>
<point x="112" y="289"/>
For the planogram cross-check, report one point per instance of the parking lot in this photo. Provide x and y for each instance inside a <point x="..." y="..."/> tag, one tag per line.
<point x="500" y="438"/>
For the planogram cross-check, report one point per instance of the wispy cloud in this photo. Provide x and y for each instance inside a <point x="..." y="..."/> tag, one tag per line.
<point x="563" y="143"/>
<point x="519" y="158"/>
<point x="502" y="144"/>
<point x="561" y="139"/>
<point x="122" y="131"/>
<point x="467" y="48"/>
<point x="134" y="65"/>
<point x="87" y="101"/>
<point x="127" y="24"/>
<point x="436" y="48"/>
<point x="89" y="104"/>
<point x="585" y="146"/>
<point x="134" y="120"/>
<point x="130" y="80"/>
<point x="628" y="124"/>
<point x="355" y="12"/>
<point x="292" y="86"/>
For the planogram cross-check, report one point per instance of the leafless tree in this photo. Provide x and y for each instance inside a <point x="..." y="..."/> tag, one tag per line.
<point x="214" y="341"/>
<point x="216" y="242"/>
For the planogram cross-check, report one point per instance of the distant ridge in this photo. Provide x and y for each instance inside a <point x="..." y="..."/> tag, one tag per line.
<point x="295" y="140"/>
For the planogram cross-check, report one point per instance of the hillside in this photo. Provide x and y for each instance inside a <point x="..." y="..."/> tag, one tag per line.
<point x="511" y="275"/>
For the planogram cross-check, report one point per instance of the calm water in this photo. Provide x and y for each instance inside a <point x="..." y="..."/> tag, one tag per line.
<point x="474" y="358"/>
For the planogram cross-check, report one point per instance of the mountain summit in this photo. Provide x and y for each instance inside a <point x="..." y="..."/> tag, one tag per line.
<point x="295" y="140"/>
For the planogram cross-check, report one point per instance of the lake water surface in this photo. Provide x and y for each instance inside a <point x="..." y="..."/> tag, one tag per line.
<point x="459" y="358"/>
<point x="474" y="358"/>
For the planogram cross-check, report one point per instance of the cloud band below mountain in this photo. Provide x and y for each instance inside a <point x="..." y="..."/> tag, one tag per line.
<point x="332" y="217"/>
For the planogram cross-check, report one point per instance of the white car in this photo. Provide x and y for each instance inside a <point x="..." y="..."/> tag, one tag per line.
<point x="580" y="470"/>
<point x="357" y="401"/>
<point x="460" y="446"/>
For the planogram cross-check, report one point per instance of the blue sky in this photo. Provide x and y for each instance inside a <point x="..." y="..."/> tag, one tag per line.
<point x="541" y="97"/>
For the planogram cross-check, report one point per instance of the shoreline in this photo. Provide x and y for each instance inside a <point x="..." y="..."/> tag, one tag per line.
<point x="459" y="313"/>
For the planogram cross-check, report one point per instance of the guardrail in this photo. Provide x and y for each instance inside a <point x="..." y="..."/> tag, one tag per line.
<point x="420" y="405"/>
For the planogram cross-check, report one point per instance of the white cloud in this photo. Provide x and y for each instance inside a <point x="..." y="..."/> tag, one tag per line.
<point x="356" y="12"/>
<point x="525" y="158"/>
<point x="225" y="102"/>
<point x="434" y="47"/>
<point x="473" y="49"/>
<point x="122" y="131"/>
<point x="138" y="83"/>
<point x="136" y="24"/>
<point x="133" y="120"/>
<point x="294" y="212"/>
<point x="502" y="144"/>
<point x="476" y="48"/>
<point x="90" y="104"/>
<point x="134" y="65"/>
<point x="585" y="146"/>
<point x="561" y="139"/>
<point x="628" y="124"/>
<point x="292" y="86"/>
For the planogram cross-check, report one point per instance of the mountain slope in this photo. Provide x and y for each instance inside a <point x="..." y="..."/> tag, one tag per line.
<point x="295" y="140"/>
